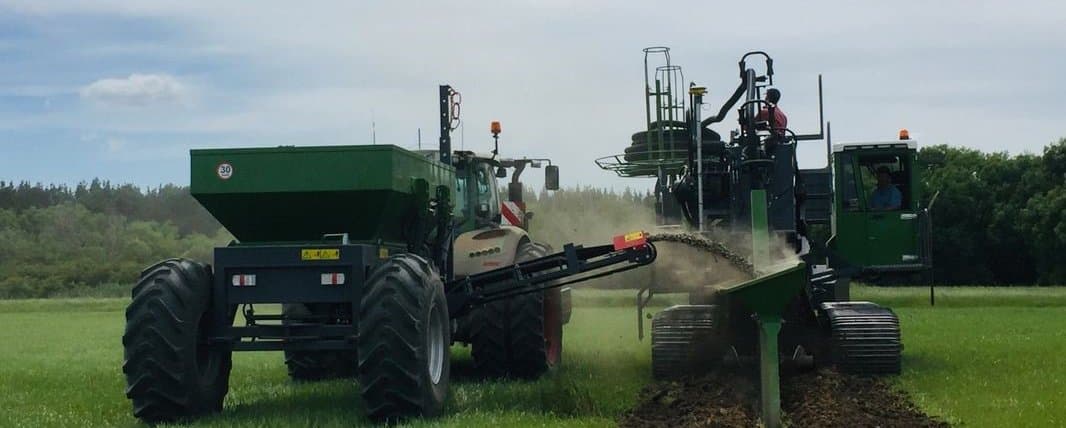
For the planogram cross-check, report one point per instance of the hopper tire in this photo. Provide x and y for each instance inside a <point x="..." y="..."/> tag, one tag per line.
<point x="309" y="366"/>
<point x="511" y="338"/>
<point x="171" y="372"/>
<point x="404" y="340"/>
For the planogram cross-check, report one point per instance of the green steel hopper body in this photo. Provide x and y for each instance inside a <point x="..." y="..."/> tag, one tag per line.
<point x="286" y="194"/>
<point x="768" y="297"/>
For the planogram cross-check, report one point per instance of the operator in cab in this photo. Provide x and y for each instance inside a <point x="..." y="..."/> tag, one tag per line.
<point x="886" y="197"/>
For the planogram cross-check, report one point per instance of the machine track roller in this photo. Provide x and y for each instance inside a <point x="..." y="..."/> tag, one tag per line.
<point x="679" y="335"/>
<point x="865" y="337"/>
<point x="307" y="366"/>
<point x="519" y="337"/>
<point x="404" y="340"/>
<point x="171" y="371"/>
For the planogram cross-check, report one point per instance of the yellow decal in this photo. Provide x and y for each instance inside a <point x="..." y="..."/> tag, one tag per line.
<point x="320" y="254"/>
<point x="634" y="236"/>
<point x="383" y="253"/>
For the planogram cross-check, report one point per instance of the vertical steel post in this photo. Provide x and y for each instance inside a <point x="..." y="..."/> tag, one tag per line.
<point x="760" y="235"/>
<point x="445" y="125"/>
<point x="697" y="101"/>
<point x="769" y="377"/>
<point x="769" y="323"/>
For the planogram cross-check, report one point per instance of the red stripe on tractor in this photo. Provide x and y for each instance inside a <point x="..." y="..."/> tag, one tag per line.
<point x="511" y="217"/>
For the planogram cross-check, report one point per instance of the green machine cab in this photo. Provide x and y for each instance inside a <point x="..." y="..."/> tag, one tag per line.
<point x="866" y="234"/>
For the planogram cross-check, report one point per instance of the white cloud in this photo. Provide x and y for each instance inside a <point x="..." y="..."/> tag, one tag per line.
<point x="564" y="76"/>
<point x="136" y="90"/>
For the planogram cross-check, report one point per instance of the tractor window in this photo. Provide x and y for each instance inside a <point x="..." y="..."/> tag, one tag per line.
<point x="461" y="188"/>
<point x="848" y="186"/>
<point x="886" y="181"/>
<point x="487" y="196"/>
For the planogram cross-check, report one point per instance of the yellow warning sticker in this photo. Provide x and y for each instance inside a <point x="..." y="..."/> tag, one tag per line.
<point x="320" y="254"/>
<point x="383" y="253"/>
<point x="633" y="236"/>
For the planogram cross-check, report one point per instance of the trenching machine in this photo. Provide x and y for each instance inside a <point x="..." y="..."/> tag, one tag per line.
<point x="750" y="185"/>
<point x="381" y="258"/>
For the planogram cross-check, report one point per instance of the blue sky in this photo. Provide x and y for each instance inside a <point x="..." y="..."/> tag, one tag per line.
<point x="122" y="90"/>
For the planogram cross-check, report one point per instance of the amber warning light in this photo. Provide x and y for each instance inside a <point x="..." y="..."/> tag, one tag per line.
<point x="495" y="127"/>
<point x="904" y="134"/>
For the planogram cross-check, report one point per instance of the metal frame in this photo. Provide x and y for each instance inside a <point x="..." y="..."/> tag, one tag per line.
<point x="283" y="278"/>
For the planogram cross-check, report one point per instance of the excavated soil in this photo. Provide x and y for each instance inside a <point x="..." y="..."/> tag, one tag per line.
<point x="716" y="248"/>
<point x="822" y="398"/>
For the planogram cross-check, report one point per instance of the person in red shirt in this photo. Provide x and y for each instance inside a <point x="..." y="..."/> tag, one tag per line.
<point x="779" y="122"/>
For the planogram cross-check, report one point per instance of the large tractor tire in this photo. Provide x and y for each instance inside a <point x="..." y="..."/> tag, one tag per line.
<point x="171" y="371"/>
<point x="520" y="337"/>
<point x="556" y="313"/>
<point x="309" y="366"/>
<point x="404" y="340"/>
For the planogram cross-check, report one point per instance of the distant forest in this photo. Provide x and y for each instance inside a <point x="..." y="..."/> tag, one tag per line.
<point x="999" y="220"/>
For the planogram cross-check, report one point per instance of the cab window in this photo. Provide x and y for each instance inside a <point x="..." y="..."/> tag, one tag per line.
<point x="885" y="181"/>
<point x="486" y="190"/>
<point x="849" y="186"/>
<point x="461" y="189"/>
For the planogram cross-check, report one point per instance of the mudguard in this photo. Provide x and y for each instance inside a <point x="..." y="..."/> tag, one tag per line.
<point x="484" y="249"/>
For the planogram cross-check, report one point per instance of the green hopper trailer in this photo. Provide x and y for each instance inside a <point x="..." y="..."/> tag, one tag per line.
<point x="381" y="258"/>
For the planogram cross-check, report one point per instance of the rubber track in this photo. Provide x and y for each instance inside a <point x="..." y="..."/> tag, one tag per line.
<point x="865" y="338"/>
<point x="160" y="344"/>
<point x="674" y="333"/>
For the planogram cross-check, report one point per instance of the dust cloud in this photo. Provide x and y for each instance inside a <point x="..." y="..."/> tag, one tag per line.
<point x="685" y="261"/>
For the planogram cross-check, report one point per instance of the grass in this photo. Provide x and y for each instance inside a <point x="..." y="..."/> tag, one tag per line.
<point x="62" y="368"/>
<point x="981" y="357"/>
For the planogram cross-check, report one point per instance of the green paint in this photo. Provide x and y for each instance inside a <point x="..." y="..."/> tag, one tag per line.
<point x="760" y="236"/>
<point x="769" y="377"/>
<point x="868" y="238"/>
<point x="301" y="193"/>
<point x="767" y="296"/>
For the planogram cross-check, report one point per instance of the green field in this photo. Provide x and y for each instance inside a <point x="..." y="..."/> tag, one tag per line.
<point x="981" y="357"/>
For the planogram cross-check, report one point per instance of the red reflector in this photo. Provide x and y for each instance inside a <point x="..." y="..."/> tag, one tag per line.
<point x="630" y="240"/>
<point x="334" y="278"/>
<point x="243" y="280"/>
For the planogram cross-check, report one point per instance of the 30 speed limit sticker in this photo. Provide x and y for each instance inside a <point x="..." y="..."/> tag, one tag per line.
<point x="224" y="170"/>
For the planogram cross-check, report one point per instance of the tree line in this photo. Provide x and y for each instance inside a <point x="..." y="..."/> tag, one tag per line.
<point x="998" y="219"/>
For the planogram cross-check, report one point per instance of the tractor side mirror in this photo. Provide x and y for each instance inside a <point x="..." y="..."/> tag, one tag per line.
<point x="551" y="177"/>
<point x="501" y="172"/>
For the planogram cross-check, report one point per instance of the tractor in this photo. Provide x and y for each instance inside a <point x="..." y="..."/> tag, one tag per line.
<point x="380" y="257"/>
<point x="749" y="188"/>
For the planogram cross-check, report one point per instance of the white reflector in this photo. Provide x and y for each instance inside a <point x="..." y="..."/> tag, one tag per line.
<point x="336" y="278"/>
<point x="244" y="280"/>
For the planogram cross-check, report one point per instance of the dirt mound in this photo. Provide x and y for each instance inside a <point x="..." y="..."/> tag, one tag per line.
<point x="823" y="398"/>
